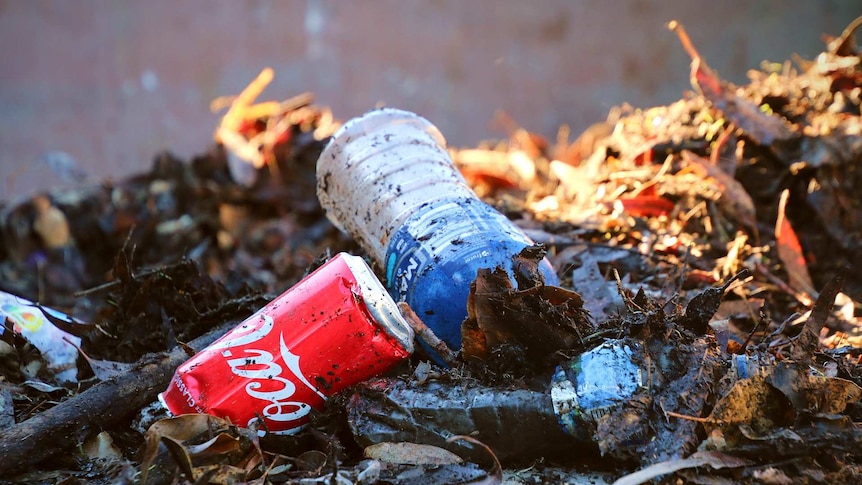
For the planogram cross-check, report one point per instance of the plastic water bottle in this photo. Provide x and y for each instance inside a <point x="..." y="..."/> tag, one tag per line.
<point x="386" y="179"/>
<point x="516" y="423"/>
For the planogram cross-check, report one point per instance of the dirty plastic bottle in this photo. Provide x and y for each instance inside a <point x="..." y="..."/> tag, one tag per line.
<point x="515" y="423"/>
<point x="387" y="180"/>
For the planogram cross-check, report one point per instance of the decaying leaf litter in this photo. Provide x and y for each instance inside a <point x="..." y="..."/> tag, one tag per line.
<point x="720" y="234"/>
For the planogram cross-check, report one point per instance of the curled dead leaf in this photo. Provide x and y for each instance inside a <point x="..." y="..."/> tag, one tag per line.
<point x="200" y="444"/>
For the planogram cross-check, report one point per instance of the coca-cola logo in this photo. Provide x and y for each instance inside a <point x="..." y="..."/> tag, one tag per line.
<point x="266" y="375"/>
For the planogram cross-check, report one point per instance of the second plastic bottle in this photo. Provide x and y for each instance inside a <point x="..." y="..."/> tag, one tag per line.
<point x="387" y="180"/>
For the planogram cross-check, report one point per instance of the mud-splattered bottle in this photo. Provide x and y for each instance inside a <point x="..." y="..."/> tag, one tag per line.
<point x="387" y="180"/>
<point x="515" y="423"/>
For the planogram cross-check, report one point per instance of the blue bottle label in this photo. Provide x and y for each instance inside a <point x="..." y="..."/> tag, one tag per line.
<point x="435" y="256"/>
<point x="590" y="386"/>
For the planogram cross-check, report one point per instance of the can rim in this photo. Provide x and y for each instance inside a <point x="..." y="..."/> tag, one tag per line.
<point x="379" y="303"/>
<point x="164" y="403"/>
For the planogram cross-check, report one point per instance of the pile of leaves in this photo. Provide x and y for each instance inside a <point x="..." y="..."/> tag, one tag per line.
<point x="720" y="236"/>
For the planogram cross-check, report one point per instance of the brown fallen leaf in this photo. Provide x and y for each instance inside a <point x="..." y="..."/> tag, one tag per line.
<point x="102" y="447"/>
<point x="532" y="144"/>
<point x="196" y="460"/>
<point x="701" y="309"/>
<point x="104" y="369"/>
<point x="406" y="453"/>
<point x="734" y="201"/>
<point x="761" y="127"/>
<point x="813" y="393"/>
<point x="790" y="251"/>
<point x="753" y="402"/>
<point x="251" y="130"/>
<point x="541" y="320"/>
<point x="808" y="340"/>
<point x="498" y="169"/>
<point x="584" y="145"/>
<point x="51" y="224"/>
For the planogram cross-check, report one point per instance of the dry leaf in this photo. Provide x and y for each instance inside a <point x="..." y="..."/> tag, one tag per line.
<point x="751" y="401"/>
<point x="406" y="453"/>
<point x="195" y="460"/>
<point x="790" y="251"/>
<point x="813" y="393"/>
<point x="101" y="446"/>
<point x="714" y="459"/>
<point x="759" y="126"/>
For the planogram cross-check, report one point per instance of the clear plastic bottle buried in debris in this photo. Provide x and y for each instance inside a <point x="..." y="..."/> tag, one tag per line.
<point x="387" y="180"/>
<point x="516" y="423"/>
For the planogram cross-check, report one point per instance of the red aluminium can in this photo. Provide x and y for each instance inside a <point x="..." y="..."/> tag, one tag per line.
<point x="335" y="328"/>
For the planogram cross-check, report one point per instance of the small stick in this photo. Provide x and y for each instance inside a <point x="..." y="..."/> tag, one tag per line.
<point x="719" y="143"/>
<point x="691" y="418"/>
<point x="496" y="475"/>
<point x="679" y="30"/>
<point x="800" y="297"/>
<point x="427" y="335"/>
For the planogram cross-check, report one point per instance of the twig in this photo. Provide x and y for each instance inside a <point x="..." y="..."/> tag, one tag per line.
<point x="496" y="475"/>
<point x="760" y="322"/>
<point x="692" y="418"/>
<point x="719" y="143"/>
<point x="678" y="29"/>
<point x="427" y="335"/>
<point x="802" y="298"/>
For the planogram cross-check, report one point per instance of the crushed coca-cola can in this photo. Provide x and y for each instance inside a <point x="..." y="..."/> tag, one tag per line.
<point x="335" y="328"/>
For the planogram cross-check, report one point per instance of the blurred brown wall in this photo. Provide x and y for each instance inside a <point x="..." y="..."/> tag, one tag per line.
<point x="108" y="84"/>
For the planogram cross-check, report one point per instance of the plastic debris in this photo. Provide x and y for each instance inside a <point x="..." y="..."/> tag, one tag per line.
<point x="545" y="421"/>
<point x="38" y="324"/>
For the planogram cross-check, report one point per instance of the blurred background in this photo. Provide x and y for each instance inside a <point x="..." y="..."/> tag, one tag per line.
<point x="94" y="90"/>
